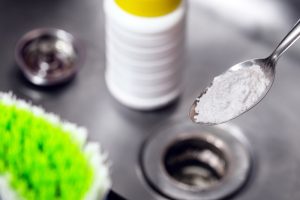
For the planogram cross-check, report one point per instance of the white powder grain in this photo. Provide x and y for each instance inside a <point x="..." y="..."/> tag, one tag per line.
<point x="231" y="94"/>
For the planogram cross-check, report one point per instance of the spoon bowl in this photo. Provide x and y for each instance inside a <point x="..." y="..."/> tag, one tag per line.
<point x="267" y="66"/>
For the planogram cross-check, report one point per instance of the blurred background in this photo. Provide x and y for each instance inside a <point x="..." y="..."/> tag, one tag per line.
<point x="219" y="34"/>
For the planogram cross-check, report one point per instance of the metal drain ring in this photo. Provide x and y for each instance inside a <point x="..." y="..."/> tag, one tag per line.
<point x="226" y="138"/>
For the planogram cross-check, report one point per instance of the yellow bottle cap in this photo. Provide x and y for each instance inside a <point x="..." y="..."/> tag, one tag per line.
<point x="148" y="8"/>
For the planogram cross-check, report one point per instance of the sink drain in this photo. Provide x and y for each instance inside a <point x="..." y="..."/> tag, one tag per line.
<point x="195" y="163"/>
<point x="186" y="161"/>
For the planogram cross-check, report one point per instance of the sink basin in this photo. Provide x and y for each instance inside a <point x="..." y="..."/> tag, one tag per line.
<point x="272" y="128"/>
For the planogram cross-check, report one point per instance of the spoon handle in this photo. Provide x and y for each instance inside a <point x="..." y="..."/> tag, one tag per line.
<point x="287" y="41"/>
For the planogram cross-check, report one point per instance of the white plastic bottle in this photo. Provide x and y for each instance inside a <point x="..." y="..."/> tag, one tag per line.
<point x="145" y="51"/>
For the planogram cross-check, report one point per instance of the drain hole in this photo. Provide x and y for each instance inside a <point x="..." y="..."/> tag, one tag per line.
<point x="184" y="161"/>
<point x="195" y="163"/>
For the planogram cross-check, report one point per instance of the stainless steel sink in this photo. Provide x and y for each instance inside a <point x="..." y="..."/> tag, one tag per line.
<point x="272" y="128"/>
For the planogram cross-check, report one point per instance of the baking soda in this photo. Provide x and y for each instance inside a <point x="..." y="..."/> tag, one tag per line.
<point x="231" y="94"/>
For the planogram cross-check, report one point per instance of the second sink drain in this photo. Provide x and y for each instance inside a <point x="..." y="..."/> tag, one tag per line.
<point x="186" y="161"/>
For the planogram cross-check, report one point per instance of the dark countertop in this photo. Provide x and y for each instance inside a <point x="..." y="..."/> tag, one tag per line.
<point x="272" y="127"/>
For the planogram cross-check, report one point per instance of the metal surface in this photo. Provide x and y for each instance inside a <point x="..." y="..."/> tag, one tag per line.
<point x="186" y="161"/>
<point x="48" y="56"/>
<point x="272" y="127"/>
<point x="114" y="196"/>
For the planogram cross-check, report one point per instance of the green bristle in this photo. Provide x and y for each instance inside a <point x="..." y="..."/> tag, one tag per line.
<point x="41" y="158"/>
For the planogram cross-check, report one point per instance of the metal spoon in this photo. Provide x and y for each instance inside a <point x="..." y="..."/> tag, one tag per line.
<point x="267" y="65"/>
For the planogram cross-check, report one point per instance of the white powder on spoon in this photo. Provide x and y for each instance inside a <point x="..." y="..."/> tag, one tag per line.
<point x="231" y="94"/>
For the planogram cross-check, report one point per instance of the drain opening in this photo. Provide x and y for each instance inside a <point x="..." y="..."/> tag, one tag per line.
<point x="184" y="161"/>
<point x="195" y="163"/>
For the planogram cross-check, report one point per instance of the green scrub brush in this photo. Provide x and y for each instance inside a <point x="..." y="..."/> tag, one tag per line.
<point x="44" y="158"/>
